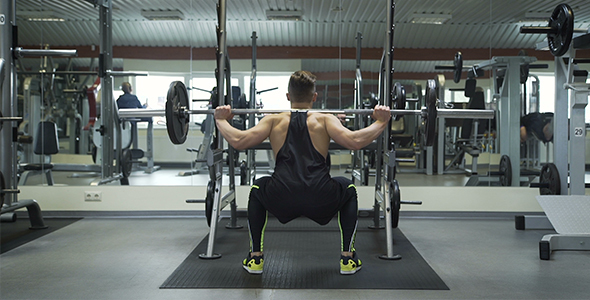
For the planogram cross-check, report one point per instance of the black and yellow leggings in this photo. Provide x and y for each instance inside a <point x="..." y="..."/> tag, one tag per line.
<point x="347" y="218"/>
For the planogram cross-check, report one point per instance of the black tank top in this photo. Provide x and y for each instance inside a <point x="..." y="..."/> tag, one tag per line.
<point x="301" y="172"/>
<point x="301" y="184"/>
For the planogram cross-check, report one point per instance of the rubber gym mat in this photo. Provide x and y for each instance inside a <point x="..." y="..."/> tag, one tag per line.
<point x="15" y="234"/>
<point x="304" y="255"/>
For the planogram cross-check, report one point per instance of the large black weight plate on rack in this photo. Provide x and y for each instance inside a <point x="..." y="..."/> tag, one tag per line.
<point x="429" y="120"/>
<point x="209" y="201"/>
<point x="395" y="198"/>
<point x="399" y="99"/>
<point x="126" y="162"/>
<point x="549" y="180"/>
<point x="458" y="64"/>
<point x="177" y="120"/>
<point x="562" y="25"/>
<point x="505" y="171"/>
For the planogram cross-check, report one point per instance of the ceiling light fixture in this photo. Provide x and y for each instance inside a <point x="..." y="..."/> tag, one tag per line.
<point x="430" y="18"/>
<point x="284" y="15"/>
<point x="162" y="15"/>
<point x="535" y="17"/>
<point x="39" y="16"/>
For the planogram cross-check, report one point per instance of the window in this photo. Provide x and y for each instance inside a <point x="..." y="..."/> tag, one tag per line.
<point x="274" y="99"/>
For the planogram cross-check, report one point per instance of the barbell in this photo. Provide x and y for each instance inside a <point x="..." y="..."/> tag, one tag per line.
<point x="178" y="115"/>
<point x="559" y="29"/>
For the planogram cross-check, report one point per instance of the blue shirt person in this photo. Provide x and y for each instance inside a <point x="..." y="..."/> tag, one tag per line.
<point x="128" y="100"/>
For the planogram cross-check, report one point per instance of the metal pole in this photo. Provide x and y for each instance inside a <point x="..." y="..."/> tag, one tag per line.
<point x="106" y="65"/>
<point x="251" y="154"/>
<point x="560" y="123"/>
<point x="6" y="147"/>
<point x="389" y="48"/>
<point x="218" y="168"/>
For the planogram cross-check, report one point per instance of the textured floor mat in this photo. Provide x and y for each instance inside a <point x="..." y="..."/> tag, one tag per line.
<point x="18" y="233"/>
<point x="304" y="255"/>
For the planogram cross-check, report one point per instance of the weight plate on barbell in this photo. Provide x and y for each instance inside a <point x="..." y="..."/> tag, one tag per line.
<point x="395" y="198"/>
<point x="126" y="163"/>
<point x="209" y="201"/>
<point x="562" y="21"/>
<point x="399" y="99"/>
<point x="177" y="120"/>
<point x="1" y="122"/>
<point x="505" y="171"/>
<point x="244" y="173"/>
<point x="420" y="95"/>
<point x="549" y="180"/>
<point x="458" y="64"/>
<point x="429" y="121"/>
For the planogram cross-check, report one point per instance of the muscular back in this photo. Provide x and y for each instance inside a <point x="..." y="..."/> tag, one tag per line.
<point x="316" y="124"/>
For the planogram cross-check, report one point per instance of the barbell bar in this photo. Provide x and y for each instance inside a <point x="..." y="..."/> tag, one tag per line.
<point x="127" y="113"/>
<point x="559" y="30"/>
<point x="8" y="119"/>
<point x="178" y="115"/>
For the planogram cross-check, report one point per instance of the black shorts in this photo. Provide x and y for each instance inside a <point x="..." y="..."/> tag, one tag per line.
<point x="319" y="206"/>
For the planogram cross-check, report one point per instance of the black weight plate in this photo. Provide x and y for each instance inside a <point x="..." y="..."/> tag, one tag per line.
<point x="126" y="163"/>
<point x="209" y="201"/>
<point x="366" y="171"/>
<point x="399" y="99"/>
<point x="243" y="173"/>
<point x="505" y="171"/>
<point x="176" y="120"/>
<point x="458" y="64"/>
<point x="1" y="123"/>
<point x="395" y="197"/>
<point x="2" y="187"/>
<point x="429" y="120"/>
<point x="420" y="95"/>
<point x="562" y="21"/>
<point x="549" y="179"/>
<point x="431" y="83"/>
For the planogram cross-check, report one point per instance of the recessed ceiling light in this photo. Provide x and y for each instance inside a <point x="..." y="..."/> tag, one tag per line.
<point x="284" y="15"/>
<point x="430" y="18"/>
<point x="162" y="15"/>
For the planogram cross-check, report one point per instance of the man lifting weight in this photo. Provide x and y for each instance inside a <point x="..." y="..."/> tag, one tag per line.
<point x="301" y="184"/>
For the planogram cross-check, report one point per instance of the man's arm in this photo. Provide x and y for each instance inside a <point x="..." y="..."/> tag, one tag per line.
<point x="358" y="139"/>
<point x="241" y="139"/>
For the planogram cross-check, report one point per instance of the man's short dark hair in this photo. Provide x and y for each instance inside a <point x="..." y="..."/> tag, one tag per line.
<point x="126" y="87"/>
<point x="302" y="86"/>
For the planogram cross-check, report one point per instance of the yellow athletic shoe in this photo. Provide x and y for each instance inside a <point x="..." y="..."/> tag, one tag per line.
<point x="253" y="264"/>
<point x="350" y="265"/>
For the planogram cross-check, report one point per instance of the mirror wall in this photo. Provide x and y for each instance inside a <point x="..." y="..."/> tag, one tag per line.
<point x="176" y="41"/>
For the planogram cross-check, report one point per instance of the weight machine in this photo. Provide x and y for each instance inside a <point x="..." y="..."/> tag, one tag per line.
<point x="562" y="184"/>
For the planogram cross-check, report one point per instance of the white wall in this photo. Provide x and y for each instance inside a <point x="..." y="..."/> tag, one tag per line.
<point x="172" y="198"/>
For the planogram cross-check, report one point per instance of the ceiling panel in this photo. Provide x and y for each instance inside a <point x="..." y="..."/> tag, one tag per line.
<point x="327" y="23"/>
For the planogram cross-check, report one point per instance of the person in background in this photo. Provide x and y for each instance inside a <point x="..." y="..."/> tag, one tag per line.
<point x="128" y="100"/>
<point x="538" y="125"/>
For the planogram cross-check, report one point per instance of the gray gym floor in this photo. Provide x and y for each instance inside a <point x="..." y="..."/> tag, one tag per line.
<point x="129" y="258"/>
